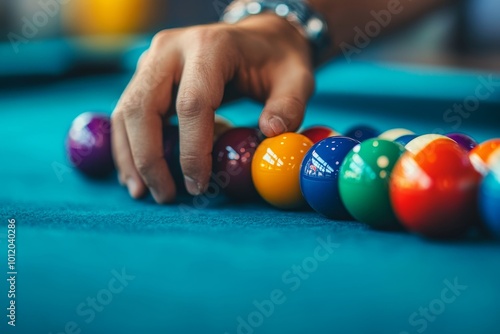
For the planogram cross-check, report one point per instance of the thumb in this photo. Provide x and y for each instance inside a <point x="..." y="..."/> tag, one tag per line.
<point x="285" y="107"/>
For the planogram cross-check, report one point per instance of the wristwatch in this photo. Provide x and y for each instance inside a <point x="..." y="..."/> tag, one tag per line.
<point x="309" y="23"/>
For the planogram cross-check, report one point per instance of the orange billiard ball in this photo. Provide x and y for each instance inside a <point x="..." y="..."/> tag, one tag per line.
<point x="481" y="156"/>
<point x="276" y="169"/>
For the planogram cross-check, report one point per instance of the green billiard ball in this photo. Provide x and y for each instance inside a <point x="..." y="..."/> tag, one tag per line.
<point x="364" y="182"/>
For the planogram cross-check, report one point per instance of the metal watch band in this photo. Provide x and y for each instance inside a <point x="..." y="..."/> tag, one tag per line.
<point x="309" y="23"/>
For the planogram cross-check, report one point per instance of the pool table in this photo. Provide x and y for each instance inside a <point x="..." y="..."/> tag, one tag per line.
<point x="92" y="260"/>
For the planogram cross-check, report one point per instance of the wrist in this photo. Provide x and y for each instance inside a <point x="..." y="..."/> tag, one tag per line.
<point x="277" y="30"/>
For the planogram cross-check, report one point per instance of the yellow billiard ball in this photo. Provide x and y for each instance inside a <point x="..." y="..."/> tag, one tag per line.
<point x="276" y="169"/>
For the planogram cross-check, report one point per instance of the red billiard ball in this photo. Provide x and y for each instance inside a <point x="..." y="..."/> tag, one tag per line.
<point x="318" y="133"/>
<point x="88" y="145"/>
<point x="434" y="188"/>
<point x="232" y="162"/>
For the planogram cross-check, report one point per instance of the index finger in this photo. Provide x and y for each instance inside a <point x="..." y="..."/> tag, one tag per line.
<point x="143" y="105"/>
<point x="200" y="93"/>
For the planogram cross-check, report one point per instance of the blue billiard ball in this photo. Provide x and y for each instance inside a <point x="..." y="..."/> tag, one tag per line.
<point x="319" y="174"/>
<point x="489" y="200"/>
<point x="404" y="140"/>
<point x="362" y="133"/>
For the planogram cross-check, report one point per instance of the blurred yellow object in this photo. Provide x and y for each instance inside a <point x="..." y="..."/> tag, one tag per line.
<point x="106" y="17"/>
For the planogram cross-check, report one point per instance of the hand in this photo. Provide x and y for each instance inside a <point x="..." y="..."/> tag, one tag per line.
<point x="262" y="57"/>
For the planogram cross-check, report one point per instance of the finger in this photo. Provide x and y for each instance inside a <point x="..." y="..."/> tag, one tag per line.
<point x="200" y="92"/>
<point x="143" y="105"/>
<point x="285" y="106"/>
<point x="127" y="173"/>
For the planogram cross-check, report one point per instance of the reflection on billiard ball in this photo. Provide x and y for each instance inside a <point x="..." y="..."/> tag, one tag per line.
<point x="394" y="134"/>
<point x="489" y="197"/>
<point x="434" y="188"/>
<point x="362" y="133"/>
<point x="467" y="142"/>
<point x="481" y="155"/>
<point x="88" y="145"/>
<point x="318" y="133"/>
<point x="276" y="169"/>
<point x="319" y="176"/>
<point x="405" y="140"/>
<point x="364" y="182"/>
<point x="232" y="161"/>
<point x="420" y="142"/>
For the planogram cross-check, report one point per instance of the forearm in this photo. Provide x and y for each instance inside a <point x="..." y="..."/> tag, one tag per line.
<point x="346" y="18"/>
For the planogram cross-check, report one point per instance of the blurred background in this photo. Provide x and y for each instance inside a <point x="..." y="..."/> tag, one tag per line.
<point x="57" y="37"/>
<point x="60" y="36"/>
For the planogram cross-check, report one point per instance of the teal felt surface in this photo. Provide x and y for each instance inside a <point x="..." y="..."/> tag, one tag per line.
<point x="199" y="266"/>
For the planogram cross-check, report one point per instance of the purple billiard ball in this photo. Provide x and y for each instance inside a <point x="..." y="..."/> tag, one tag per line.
<point x="88" y="145"/>
<point x="466" y="142"/>
<point x="319" y="176"/>
<point x="362" y="133"/>
<point x="232" y="162"/>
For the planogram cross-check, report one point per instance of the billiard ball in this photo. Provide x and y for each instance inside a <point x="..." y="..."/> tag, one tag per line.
<point x="364" y="182"/>
<point x="319" y="176"/>
<point x="276" y="169"/>
<point x="420" y="142"/>
<point x="88" y="145"/>
<point x="404" y="140"/>
<point x="489" y="198"/>
<point x="221" y="125"/>
<point x="481" y="155"/>
<point x="467" y="142"/>
<point x="232" y="162"/>
<point x="318" y="133"/>
<point x="434" y="189"/>
<point x="362" y="133"/>
<point x="394" y="134"/>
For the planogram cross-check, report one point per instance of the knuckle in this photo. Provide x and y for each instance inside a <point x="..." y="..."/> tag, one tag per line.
<point x="131" y="110"/>
<point x="144" y="165"/>
<point x="161" y="39"/>
<point x="189" y="104"/>
<point x="131" y="105"/>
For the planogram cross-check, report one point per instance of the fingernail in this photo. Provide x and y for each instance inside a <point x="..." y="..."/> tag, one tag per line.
<point x="193" y="187"/>
<point x="277" y="124"/>
<point x="132" y="187"/>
